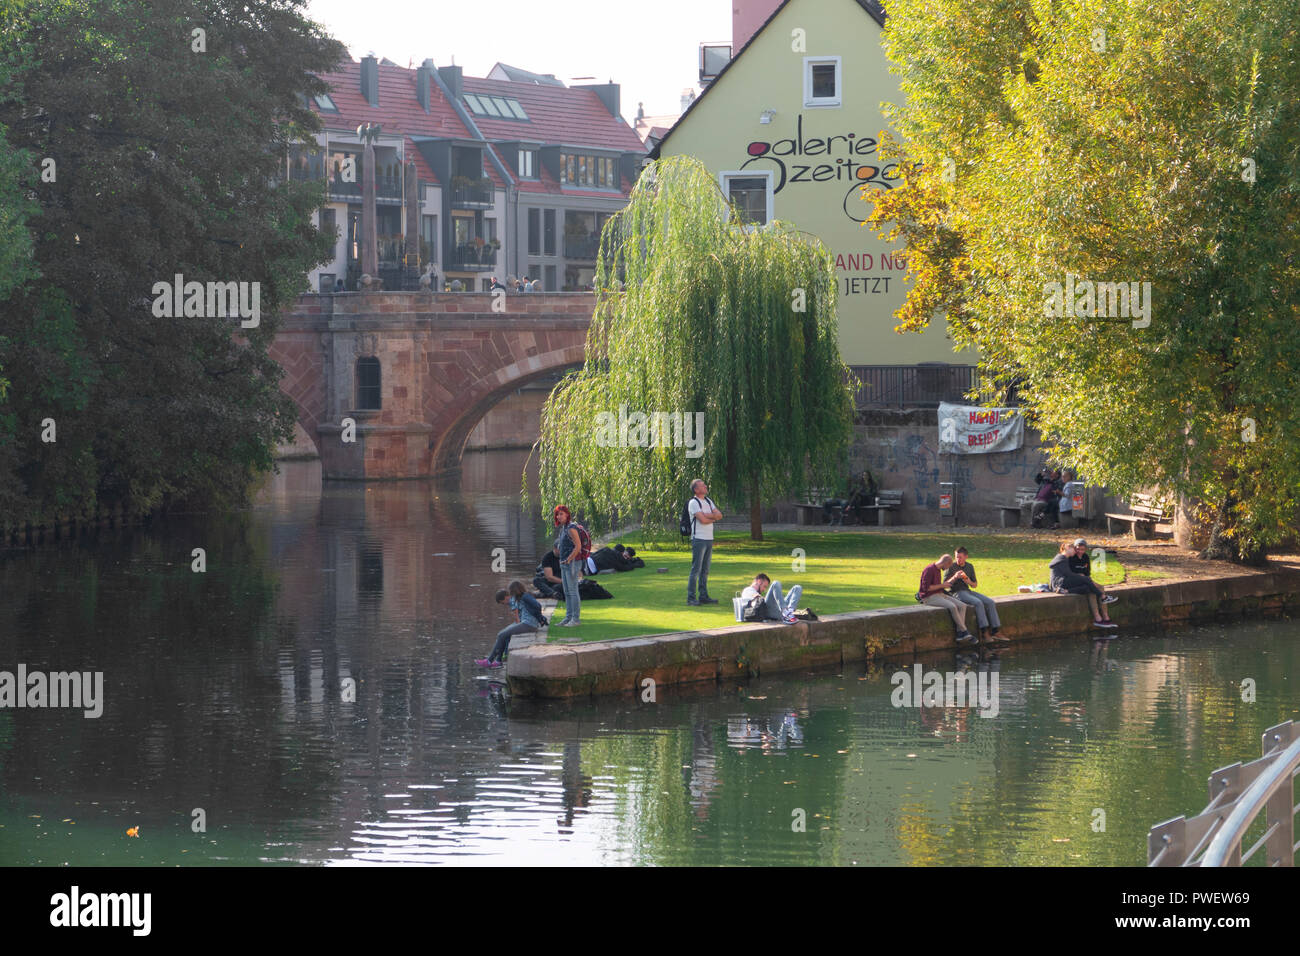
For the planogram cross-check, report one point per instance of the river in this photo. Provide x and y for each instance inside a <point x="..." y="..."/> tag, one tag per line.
<point x="230" y="735"/>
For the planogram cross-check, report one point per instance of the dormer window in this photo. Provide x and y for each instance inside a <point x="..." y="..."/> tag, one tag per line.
<point x="528" y="164"/>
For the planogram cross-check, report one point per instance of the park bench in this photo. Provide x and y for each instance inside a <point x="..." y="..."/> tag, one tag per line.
<point x="808" y="513"/>
<point x="887" y="502"/>
<point x="1013" y="507"/>
<point x="1150" y="516"/>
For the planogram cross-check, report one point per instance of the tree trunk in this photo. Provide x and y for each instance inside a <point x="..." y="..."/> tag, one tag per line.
<point x="755" y="517"/>
<point x="1223" y="545"/>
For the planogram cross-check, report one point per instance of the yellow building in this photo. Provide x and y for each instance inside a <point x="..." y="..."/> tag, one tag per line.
<point x="792" y="126"/>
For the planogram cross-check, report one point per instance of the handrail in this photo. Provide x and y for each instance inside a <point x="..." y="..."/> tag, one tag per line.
<point x="1238" y="793"/>
<point x="1227" y="842"/>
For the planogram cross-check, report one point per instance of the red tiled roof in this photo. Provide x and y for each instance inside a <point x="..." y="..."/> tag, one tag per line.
<point x="556" y="115"/>
<point x="399" y="111"/>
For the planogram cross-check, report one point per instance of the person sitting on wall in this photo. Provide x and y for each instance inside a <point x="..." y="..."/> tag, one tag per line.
<point x="765" y="594"/>
<point x="1065" y="581"/>
<point x="961" y="579"/>
<point x="932" y="592"/>
<point x="1081" y="563"/>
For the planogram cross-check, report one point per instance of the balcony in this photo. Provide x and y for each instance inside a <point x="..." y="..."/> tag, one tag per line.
<point x="468" y="257"/>
<point x="469" y="193"/>
<point x="581" y="247"/>
<point x="386" y="187"/>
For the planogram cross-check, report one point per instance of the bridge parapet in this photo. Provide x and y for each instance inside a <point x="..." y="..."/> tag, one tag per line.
<point x="444" y="360"/>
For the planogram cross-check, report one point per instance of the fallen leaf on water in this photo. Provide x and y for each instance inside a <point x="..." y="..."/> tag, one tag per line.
<point x="133" y="832"/>
<point x="758" y="698"/>
<point x="1060" y="839"/>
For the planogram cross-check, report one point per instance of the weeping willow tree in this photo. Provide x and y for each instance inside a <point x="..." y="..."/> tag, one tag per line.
<point x="712" y="354"/>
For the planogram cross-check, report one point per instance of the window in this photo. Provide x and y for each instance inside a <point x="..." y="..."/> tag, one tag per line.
<point x="534" y="232"/>
<point x="327" y="225"/>
<point x="550" y="279"/>
<point x="527" y="163"/>
<point x="583" y="170"/>
<point x="429" y="238"/>
<point x="821" y="81"/>
<point x="548" y="234"/>
<point x="751" y="194"/>
<point x="501" y="107"/>
<point x="325" y="103"/>
<point x="368" y="393"/>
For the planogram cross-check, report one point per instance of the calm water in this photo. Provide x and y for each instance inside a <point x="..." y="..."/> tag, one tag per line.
<point x="224" y="696"/>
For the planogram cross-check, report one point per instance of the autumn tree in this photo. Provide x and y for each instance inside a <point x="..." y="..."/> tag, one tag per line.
<point x="1054" y="151"/>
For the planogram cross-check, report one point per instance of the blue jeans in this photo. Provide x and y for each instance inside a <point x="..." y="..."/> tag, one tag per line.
<point x="782" y="607"/>
<point x="986" y="612"/>
<point x="701" y="556"/>
<point x="569" y="576"/>
<point x="503" y="639"/>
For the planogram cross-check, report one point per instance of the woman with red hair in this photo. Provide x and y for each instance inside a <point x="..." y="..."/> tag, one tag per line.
<point x="568" y="546"/>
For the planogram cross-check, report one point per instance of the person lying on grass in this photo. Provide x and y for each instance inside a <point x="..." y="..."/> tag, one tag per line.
<point x="778" y="608"/>
<point x="1065" y="581"/>
<point x="528" y="618"/>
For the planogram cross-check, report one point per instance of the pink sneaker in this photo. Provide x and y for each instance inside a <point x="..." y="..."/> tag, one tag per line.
<point x="484" y="662"/>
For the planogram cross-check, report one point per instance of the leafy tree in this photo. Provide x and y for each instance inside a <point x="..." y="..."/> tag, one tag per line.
<point x="167" y="148"/>
<point x="734" y="323"/>
<point x="1127" y="141"/>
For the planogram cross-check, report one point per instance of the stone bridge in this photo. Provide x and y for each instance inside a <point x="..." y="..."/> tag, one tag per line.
<point x="443" y="361"/>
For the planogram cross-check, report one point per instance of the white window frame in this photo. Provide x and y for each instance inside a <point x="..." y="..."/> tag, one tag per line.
<point x="815" y="102"/>
<point x="767" y="174"/>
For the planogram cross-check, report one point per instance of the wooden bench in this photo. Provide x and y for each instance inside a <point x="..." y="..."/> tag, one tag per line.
<point x="1150" y="516"/>
<point x="808" y="513"/>
<point x="1011" y="510"/>
<point x="887" y="502"/>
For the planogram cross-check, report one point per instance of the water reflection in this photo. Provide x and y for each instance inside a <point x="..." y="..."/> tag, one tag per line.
<point x="313" y="693"/>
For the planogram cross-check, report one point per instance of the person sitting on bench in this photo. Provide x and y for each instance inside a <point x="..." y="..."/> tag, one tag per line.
<point x="778" y="608"/>
<point x="932" y="593"/>
<point x="1065" y="581"/>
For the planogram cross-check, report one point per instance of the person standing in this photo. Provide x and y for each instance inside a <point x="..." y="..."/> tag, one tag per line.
<point x="961" y="580"/>
<point x="932" y="593"/>
<point x="568" y="546"/>
<point x="704" y="515"/>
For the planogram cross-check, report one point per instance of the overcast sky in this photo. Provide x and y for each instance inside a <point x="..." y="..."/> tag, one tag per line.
<point x="652" y="51"/>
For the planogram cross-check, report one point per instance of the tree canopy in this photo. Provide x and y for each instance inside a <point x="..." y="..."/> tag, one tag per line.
<point x="146" y="140"/>
<point x="703" y="318"/>
<point x="1061" y="145"/>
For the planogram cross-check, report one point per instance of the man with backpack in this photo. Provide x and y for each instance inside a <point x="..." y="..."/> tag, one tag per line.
<point x="701" y="514"/>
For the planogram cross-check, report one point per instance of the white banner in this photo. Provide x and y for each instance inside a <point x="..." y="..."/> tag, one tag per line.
<point x="970" y="430"/>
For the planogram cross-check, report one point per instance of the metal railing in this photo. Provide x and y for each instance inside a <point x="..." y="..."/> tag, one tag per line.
<point x="902" y="386"/>
<point x="1238" y="794"/>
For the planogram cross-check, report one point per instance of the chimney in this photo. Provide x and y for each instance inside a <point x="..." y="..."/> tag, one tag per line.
<point x="370" y="79"/>
<point x="609" y="95"/>
<point x="423" y="80"/>
<point x="640" y="112"/>
<point x="453" y="77"/>
<point x="688" y="97"/>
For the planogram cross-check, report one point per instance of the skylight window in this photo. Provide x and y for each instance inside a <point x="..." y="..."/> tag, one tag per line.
<point x="324" y="102"/>
<point x="504" y="107"/>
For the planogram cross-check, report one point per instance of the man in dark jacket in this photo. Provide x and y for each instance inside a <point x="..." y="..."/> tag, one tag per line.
<point x="1080" y="563"/>
<point x="1065" y="581"/>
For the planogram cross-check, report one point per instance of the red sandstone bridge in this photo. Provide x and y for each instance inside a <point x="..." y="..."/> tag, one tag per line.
<point x="416" y="371"/>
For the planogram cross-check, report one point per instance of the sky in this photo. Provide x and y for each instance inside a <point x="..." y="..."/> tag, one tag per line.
<point x="652" y="52"/>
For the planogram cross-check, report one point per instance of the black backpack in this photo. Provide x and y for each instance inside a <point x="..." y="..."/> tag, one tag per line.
<point x="685" y="526"/>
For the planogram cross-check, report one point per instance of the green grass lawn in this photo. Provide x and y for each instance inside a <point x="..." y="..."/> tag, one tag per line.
<point x="843" y="572"/>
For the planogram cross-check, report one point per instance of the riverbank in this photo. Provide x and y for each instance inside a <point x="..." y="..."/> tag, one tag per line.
<point x="892" y="634"/>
